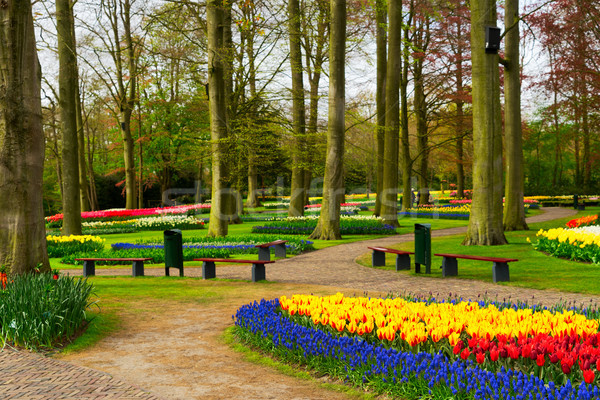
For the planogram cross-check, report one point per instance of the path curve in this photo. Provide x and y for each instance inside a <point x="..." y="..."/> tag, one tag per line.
<point x="333" y="267"/>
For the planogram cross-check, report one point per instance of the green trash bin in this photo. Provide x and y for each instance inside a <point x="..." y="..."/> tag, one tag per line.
<point x="423" y="247"/>
<point x="173" y="251"/>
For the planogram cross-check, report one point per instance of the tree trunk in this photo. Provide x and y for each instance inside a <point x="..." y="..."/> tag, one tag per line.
<point x="253" y="201"/>
<point x="422" y="138"/>
<point x="328" y="227"/>
<point x="218" y="223"/>
<point x="389" y="198"/>
<point x="127" y="110"/>
<point x="22" y="227"/>
<point x="406" y="160"/>
<point x="485" y="222"/>
<point x="514" y="209"/>
<point x="381" y="15"/>
<point x="68" y="90"/>
<point x="297" y="194"/>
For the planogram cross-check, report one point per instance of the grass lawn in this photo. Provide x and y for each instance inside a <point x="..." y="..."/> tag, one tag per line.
<point x="533" y="270"/>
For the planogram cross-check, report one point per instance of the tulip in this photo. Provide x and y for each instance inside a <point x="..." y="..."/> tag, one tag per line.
<point x="541" y="360"/>
<point x="465" y="354"/>
<point x="480" y="358"/>
<point x="588" y="376"/>
<point x="494" y="355"/>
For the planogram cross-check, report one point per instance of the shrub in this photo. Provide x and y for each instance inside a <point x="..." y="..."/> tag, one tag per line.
<point x="37" y="310"/>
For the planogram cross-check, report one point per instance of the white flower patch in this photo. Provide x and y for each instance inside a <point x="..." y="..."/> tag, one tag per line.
<point x="593" y="229"/>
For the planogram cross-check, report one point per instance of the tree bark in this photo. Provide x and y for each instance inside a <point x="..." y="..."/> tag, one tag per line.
<point x="68" y="90"/>
<point x="389" y="200"/>
<point x="514" y="209"/>
<point x="22" y="227"/>
<point x="381" y="32"/>
<point x="405" y="143"/>
<point x="485" y="222"/>
<point x="328" y="227"/>
<point x="298" y="188"/>
<point x="218" y="223"/>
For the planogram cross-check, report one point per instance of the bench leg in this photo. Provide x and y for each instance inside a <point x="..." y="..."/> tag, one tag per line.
<point x="167" y="271"/>
<point x="137" y="268"/>
<point x="378" y="258"/>
<point x="402" y="262"/>
<point x="208" y="270"/>
<point x="418" y="268"/>
<point x="500" y="272"/>
<point x="264" y="254"/>
<point x="258" y="272"/>
<point x="280" y="250"/>
<point x="449" y="266"/>
<point x="89" y="268"/>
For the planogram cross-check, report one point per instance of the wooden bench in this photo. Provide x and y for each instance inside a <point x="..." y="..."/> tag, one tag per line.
<point x="264" y="252"/>
<point x="209" y="270"/>
<point x="402" y="257"/>
<point x="137" y="265"/>
<point x="499" y="270"/>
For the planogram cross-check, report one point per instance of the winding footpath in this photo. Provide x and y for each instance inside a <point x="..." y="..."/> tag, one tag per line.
<point x="196" y="364"/>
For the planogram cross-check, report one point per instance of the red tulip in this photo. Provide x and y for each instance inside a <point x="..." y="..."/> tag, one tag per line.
<point x="588" y="376"/>
<point x="480" y="358"/>
<point x="465" y="354"/>
<point x="494" y="355"/>
<point x="541" y="360"/>
<point x="457" y="348"/>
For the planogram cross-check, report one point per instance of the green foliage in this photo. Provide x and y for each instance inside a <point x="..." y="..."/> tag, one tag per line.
<point x="38" y="311"/>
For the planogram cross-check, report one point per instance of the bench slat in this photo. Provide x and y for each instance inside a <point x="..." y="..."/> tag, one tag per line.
<point x="233" y="260"/>
<point x="393" y="251"/>
<point x="468" y="257"/>
<point x="112" y="259"/>
<point x="273" y="243"/>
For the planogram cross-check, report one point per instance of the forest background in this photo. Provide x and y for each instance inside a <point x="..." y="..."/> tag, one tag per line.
<point x="152" y="57"/>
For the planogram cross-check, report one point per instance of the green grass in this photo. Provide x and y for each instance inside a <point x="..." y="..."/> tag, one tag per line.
<point x="533" y="270"/>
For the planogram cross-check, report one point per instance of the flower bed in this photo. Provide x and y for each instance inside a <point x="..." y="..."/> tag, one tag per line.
<point x="135" y="212"/>
<point x="59" y="246"/>
<point x="239" y="244"/>
<point x="583" y="221"/>
<point x="411" y="348"/>
<point x="460" y="212"/>
<point x="358" y="225"/>
<point x="582" y="244"/>
<point x="157" y="255"/>
<point x="143" y="224"/>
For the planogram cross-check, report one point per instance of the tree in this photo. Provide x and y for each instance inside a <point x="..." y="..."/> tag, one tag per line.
<point x="218" y="225"/>
<point x="297" y="197"/>
<point x="328" y="227"/>
<point x="485" y="222"/>
<point x="22" y="228"/>
<point x="389" y="201"/>
<point x="68" y="100"/>
<point x="514" y="209"/>
<point x="381" y="42"/>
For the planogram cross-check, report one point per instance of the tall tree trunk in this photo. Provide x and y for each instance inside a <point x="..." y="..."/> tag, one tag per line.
<point x="460" y="119"/>
<point x="406" y="160"/>
<point x="68" y="90"/>
<point x="389" y="200"/>
<point x="22" y="227"/>
<point x="126" y="111"/>
<point x="422" y="134"/>
<point x="381" y="15"/>
<point x="84" y="187"/>
<point x="218" y="223"/>
<point x="328" y="227"/>
<point x="514" y="208"/>
<point x="485" y="222"/>
<point x="297" y="196"/>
